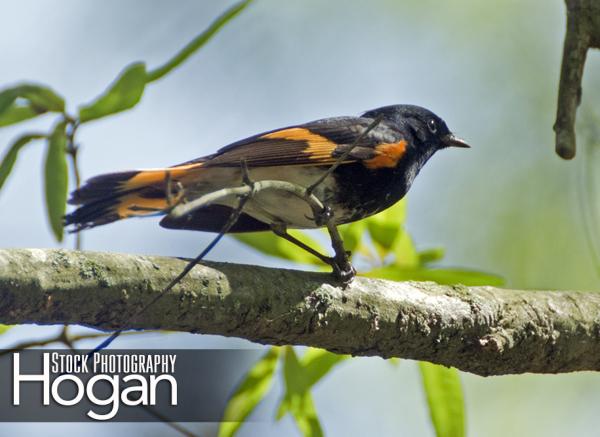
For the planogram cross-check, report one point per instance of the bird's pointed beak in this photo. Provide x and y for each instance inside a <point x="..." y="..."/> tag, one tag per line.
<point x="452" y="140"/>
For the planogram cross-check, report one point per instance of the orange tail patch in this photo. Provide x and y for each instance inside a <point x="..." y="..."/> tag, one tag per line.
<point x="115" y="196"/>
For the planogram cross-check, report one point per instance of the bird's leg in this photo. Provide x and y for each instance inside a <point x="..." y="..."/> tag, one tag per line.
<point x="345" y="271"/>
<point x="280" y="230"/>
<point x="342" y="267"/>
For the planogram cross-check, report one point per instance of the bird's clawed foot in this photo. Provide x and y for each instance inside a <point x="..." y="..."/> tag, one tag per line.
<point x="344" y="272"/>
<point x="340" y="262"/>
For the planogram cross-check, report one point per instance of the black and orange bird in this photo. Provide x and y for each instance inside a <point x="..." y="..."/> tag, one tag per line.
<point x="376" y="172"/>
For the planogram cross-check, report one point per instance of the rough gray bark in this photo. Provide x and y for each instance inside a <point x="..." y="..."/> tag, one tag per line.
<point x="483" y="330"/>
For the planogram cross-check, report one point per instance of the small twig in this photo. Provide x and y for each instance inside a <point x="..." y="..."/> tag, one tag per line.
<point x="59" y="339"/>
<point x="346" y="154"/>
<point x="166" y="420"/>
<point x="63" y="337"/>
<point x="72" y="151"/>
<point x="246" y="173"/>
<point x="184" y="209"/>
<point x="342" y="266"/>
<point x="174" y="191"/>
<point x="68" y="340"/>
<point x="233" y="218"/>
<point x="322" y="215"/>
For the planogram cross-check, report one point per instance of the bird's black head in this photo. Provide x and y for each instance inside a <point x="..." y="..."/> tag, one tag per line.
<point x="428" y="130"/>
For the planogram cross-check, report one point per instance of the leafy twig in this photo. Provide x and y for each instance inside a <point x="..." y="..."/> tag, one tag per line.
<point x="197" y="42"/>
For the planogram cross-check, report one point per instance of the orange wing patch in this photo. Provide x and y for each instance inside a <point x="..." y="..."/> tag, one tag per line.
<point x="387" y="155"/>
<point x="318" y="147"/>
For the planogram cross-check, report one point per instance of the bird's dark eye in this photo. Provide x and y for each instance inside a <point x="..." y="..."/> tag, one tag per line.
<point x="431" y="124"/>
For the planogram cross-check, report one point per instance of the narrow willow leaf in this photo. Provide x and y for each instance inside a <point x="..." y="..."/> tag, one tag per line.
<point x="297" y="399"/>
<point x="18" y="113"/>
<point x="57" y="179"/>
<point x="8" y="161"/>
<point x="383" y="233"/>
<point x="386" y="226"/>
<point x="394" y="361"/>
<point x="352" y="234"/>
<point x="441" y="276"/>
<point x="7" y="98"/>
<point x="317" y="363"/>
<point x="253" y="389"/>
<point x="124" y="93"/>
<point x="197" y="42"/>
<point x="40" y="97"/>
<point x="445" y="399"/>
<point x="270" y="244"/>
<point x="293" y="376"/>
<point x="306" y="417"/>
<point x="431" y="255"/>
<point x="405" y="252"/>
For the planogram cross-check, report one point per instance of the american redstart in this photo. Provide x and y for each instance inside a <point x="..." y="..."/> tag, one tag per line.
<point x="375" y="174"/>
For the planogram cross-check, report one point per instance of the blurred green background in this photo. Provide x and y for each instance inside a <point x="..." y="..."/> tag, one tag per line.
<point x="508" y="206"/>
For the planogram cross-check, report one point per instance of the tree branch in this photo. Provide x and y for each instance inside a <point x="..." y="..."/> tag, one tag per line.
<point x="583" y="33"/>
<point x="483" y="330"/>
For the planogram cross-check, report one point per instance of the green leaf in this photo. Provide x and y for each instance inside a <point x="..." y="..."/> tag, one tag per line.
<point x="197" y="42"/>
<point x="386" y="226"/>
<point x="4" y="328"/>
<point x="302" y="375"/>
<point x="394" y="361"/>
<point x="293" y="376"/>
<point x="270" y="244"/>
<point x="57" y="179"/>
<point x="18" y="113"/>
<point x="445" y="399"/>
<point x="383" y="231"/>
<point x="8" y="161"/>
<point x="441" y="276"/>
<point x="297" y="399"/>
<point x="7" y="98"/>
<point x="317" y="363"/>
<point x="405" y="252"/>
<point x="431" y="255"/>
<point x="306" y="417"/>
<point x="124" y="93"/>
<point x="255" y="386"/>
<point x="352" y="234"/>
<point x="41" y="98"/>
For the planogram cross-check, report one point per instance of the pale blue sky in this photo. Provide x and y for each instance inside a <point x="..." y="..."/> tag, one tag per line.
<point x="490" y="69"/>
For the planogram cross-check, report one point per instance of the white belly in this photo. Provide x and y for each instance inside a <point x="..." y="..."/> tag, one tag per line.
<point x="270" y="206"/>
